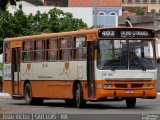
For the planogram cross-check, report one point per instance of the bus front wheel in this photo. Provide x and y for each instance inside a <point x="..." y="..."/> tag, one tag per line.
<point x="131" y="102"/>
<point x="70" y="102"/>
<point x="80" y="102"/>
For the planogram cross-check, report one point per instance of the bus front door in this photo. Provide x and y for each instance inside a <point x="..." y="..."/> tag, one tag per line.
<point x="15" y="71"/>
<point x="90" y="70"/>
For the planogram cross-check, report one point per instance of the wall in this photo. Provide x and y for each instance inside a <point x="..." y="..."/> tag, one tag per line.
<point x="62" y="3"/>
<point x="136" y="19"/>
<point x="156" y="7"/>
<point x="157" y="21"/>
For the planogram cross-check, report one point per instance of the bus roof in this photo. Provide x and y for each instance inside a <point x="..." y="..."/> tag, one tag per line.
<point x="61" y="34"/>
<point x="49" y="35"/>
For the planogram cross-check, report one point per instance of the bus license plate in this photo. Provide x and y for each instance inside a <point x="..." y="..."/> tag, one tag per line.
<point x="130" y="91"/>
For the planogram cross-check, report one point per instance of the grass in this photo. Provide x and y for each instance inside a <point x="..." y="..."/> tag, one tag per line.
<point x="0" y="83"/>
<point x="1" y="66"/>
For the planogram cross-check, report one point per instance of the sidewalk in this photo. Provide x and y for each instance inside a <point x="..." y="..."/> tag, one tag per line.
<point x="4" y="96"/>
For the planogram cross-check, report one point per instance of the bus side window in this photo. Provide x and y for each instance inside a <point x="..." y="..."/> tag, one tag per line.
<point x="27" y="51"/>
<point x="66" y="48"/>
<point x="39" y="50"/>
<point x="7" y="53"/>
<point x="79" y="49"/>
<point x="52" y="52"/>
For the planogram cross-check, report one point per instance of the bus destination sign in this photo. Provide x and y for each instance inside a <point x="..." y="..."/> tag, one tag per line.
<point x="125" y="33"/>
<point x="137" y="33"/>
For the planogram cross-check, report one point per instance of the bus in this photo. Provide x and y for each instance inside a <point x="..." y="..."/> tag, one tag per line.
<point x="99" y="64"/>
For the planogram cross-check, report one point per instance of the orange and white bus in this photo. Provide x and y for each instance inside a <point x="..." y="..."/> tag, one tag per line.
<point x="87" y="65"/>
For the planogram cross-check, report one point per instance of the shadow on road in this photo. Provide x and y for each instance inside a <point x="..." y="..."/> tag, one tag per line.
<point x="89" y="105"/>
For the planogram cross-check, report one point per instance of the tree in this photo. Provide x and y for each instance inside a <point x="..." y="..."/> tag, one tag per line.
<point x="19" y="24"/>
<point x="35" y="2"/>
<point x="4" y="3"/>
<point x="140" y="11"/>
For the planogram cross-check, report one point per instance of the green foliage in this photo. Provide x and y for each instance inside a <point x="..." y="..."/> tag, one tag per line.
<point x="4" y="3"/>
<point x="19" y="24"/>
<point x="139" y="11"/>
<point x="1" y="65"/>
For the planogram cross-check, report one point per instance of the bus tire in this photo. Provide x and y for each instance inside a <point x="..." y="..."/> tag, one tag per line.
<point x="131" y="102"/>
<point x="28" y="95"/>
<point x="38" y="101"/>
<point x="70" y="102"/>
<point x="80" y="102"/>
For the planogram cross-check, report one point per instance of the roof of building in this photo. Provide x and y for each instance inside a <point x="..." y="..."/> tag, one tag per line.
<point x="99" y="3"/>
<point x="25" y="3"/>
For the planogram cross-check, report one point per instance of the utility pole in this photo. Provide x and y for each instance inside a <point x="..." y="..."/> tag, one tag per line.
<point x="95" y="13"/>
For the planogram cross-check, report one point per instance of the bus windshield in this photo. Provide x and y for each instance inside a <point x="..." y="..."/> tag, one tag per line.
<point x="126" y="54"/>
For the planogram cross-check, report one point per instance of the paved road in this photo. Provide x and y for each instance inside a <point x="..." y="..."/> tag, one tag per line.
<point x="58" y="106"/>
<point x="92" y="111"/>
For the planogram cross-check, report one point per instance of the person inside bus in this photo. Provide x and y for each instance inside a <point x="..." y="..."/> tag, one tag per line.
<point x="134" y="60"/>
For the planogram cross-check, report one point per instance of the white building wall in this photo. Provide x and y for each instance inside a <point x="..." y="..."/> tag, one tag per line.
<point x="158" y="48"/>
<point x="1" y="58"/>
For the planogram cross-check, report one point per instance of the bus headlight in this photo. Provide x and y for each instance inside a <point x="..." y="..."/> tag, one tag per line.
<point x="149" y="85"/>
<point x="106" y="86"/>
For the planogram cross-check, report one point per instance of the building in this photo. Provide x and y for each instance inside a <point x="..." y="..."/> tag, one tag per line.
<point x="24" y="4"/>
<point x="104" y="7"/>
<point x="151" y="5"/>
<point x="106" y="12"/>
<point x="57" y="3"/>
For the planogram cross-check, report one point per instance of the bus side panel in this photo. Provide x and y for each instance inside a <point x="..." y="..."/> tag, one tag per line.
<point x="7" y="82"/>
<point x="7" y="86"/>
<point x="55" y="80"/>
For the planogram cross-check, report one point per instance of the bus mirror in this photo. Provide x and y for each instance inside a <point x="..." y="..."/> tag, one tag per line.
<point x="96" y="45"/>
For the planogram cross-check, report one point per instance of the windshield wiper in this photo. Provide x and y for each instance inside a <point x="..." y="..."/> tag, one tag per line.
<point x="113" y="63"/>
<point x="141" y="64"/>
<point x="115" y="67"/>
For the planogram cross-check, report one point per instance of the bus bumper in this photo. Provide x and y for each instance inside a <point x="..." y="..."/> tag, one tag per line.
<point x="143" y="93"/>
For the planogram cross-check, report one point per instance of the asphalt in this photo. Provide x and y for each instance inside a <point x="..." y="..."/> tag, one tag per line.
<point x="6" y="95"/>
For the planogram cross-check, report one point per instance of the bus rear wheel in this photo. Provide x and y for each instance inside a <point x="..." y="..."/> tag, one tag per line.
<point x="28" y="95"/>
<point x="131" y="102"/>
<point x="80" y="102"/>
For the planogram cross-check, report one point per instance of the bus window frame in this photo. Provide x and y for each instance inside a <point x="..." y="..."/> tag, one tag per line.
<point x="77" y="48"/>
<point x="60" y="55"/>
<point x="8" y="53"/>
<point x="25" y="51"/>
<point x="47" y="49"/>
<point x="42" y="50"/>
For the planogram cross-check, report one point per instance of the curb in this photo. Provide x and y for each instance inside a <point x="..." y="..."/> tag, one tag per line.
<point x="4" y="96"/>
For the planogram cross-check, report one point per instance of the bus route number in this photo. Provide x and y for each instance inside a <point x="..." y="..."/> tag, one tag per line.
<point x="108" y="74"/>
